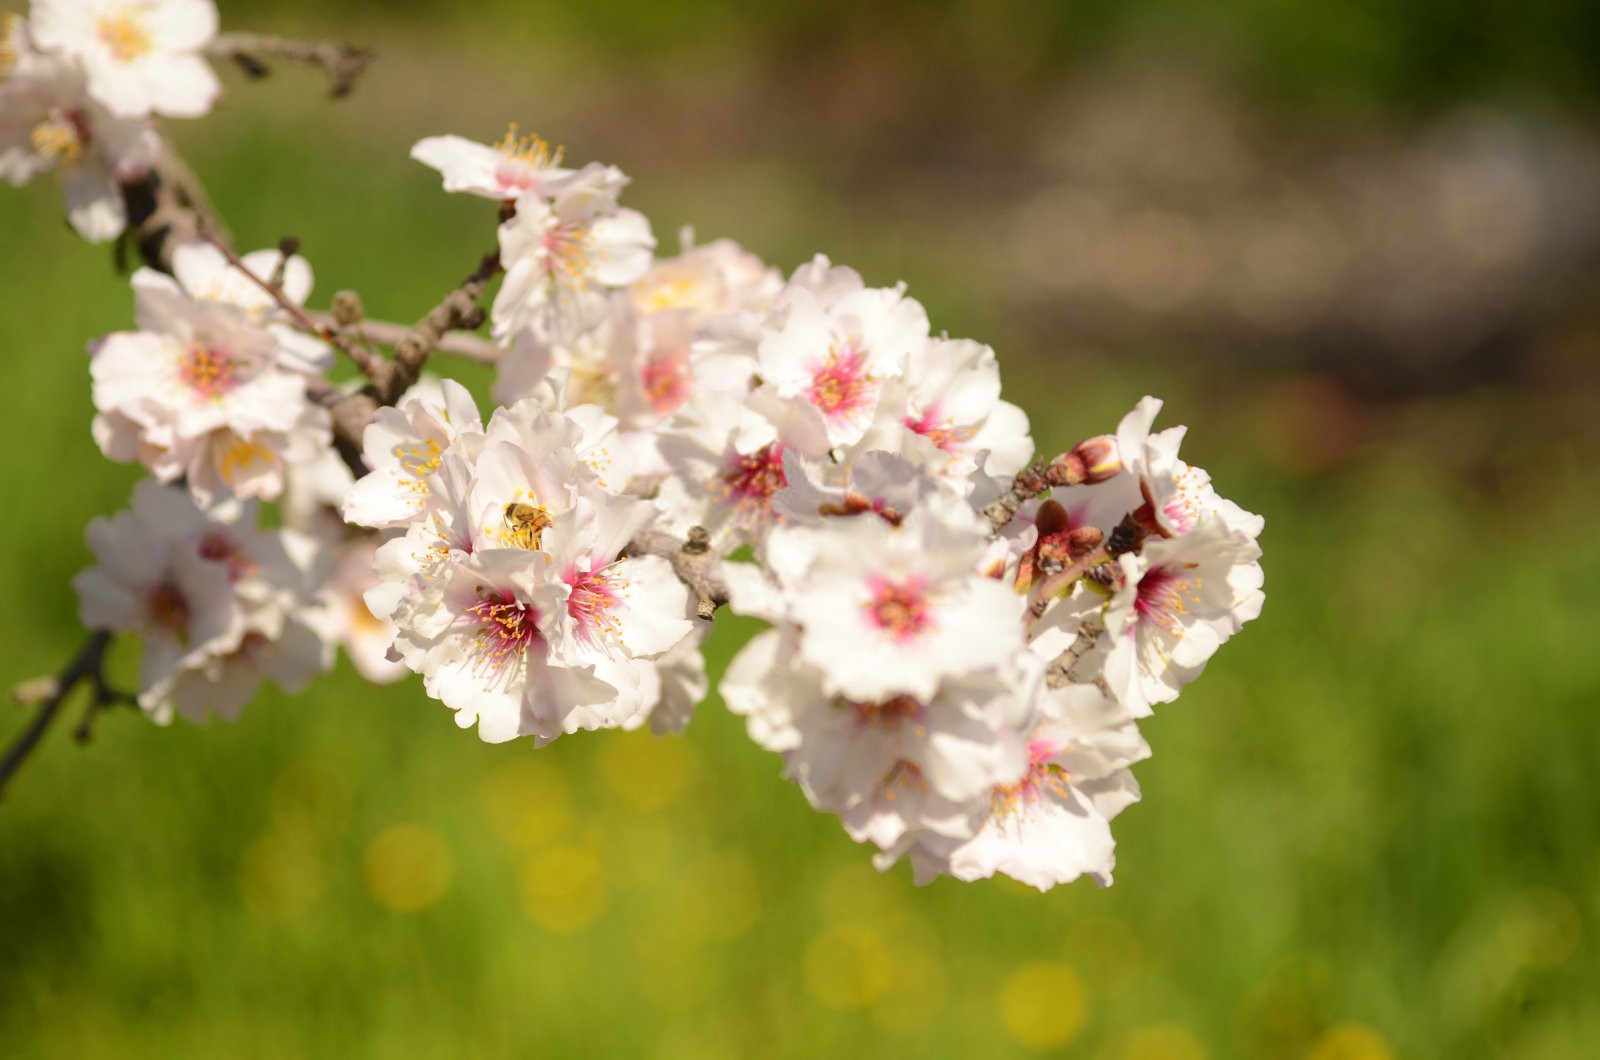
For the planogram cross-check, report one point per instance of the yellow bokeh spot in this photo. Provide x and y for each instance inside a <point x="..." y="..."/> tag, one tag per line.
<point x="564" y="888"/>
<point x="848" y="966"/>
<point x="1163" y="1043"/>
<point x="647" y="772"/>
<point x="671" y="965"/>
<point x="280" y="872"/>
<point x="1041" y="1004"/>
<point x="407" y="868"/>
<point x="527" y="803"/>
<point x="855" y="890"/>
<point x="1350" y="1041"/>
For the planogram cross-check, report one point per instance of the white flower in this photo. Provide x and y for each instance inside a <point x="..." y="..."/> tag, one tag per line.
<point x="483" y="647"/>
<point x="1180" y="598"/>
<point x="891" y="767"/>
<point x="48" y="123"/>
<point x="888" y="610"/>
<point x="507" y="170"/>
<point x="206" y="276"/>
<point x="218" y="603"/>
<point x="139" y="55"/>
<point x="201" y="393"/>
<point x="563" y="255"/>
<point x="827" y="358"/>
<point x="945" y="413"/>
<point x="1053" y="824"/>
<point x="403" y="447"/>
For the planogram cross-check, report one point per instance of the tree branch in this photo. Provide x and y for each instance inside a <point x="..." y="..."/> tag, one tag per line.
<point x="50" y="693"/>
<point x="343" y="63"/>
<point x="695" y="564"/>
<point x="391" y="334"/>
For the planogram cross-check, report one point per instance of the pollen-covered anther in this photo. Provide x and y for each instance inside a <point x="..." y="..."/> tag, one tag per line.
<point x="531" y="149"/>
<point x="1043" y="777"/>
<point x="507" y="628"/>
<point x="841" y="383"/>
<point x="209" y="372"/>
<point x="1164" y="595"/>
<point x="59" y="139"/>
<point x="124" y="36"/>
<point x="756" y="476"/>
<point x="593" y="599"/>
<point x="899" y="608"/>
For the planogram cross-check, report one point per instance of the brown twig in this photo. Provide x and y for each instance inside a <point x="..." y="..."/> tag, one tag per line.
<point x="388" y="333"/>
<point x="365" y="359"/>
<point x="343" y="63"/>
<point x="50" y="693"/>
<point x="697" y="566"/>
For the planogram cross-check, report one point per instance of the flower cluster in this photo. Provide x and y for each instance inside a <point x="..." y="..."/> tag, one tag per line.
<point x="959" y="644"/>
<point x="218" y="603"/>
<point x="79" y="83"/>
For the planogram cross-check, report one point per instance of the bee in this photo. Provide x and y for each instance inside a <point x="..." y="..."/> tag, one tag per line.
<point x="526" y="524"/>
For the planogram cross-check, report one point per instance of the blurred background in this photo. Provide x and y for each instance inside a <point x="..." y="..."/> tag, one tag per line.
<point x="1352" y="243"/>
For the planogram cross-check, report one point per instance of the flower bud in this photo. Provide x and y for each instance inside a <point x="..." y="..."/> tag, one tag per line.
<point x="1092" y="460"/>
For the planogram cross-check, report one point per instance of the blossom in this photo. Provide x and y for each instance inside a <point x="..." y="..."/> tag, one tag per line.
<point x="1052" y="824"/>
<point x="218" y="603"/>
<point x="48" y="123"/>
<point x="1179" y="600"/>
<point x="562" y="255"/>
<point x="201" y="393"/>
<point x="508" y="169"/>
<point x="888" y="767"/>
<point x="139" y="57"/>
<point x="830" y="346"/>
<point x="403" y="447"/>
<point x="886" y="610"/>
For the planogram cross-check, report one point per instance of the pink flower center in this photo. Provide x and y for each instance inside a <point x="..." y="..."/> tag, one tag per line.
<point x="756" y="476"/>
<point x="168" y="608"/>
<point x="507" y="628"/>
<point x="220" y="548"/>
<point x="899" y="608"/>
<point x="593" y="596"/>
<point x="665" y="377"/>
<point x="1043" y="777"/>
<point x="1182" y="509"/>
<point x="943" y="434"/>
<point x="209" y="373"/>
<point x="566" y="248"/>
<point x="526" y="159"/>
<point x="841" y="384"/>
<point x="1164" y="595"/>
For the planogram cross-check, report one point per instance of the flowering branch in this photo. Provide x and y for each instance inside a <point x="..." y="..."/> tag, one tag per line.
<point x="51" y="692"/>
<point x="388" y="333"/>
<point x="1090" y="461"/>
<point x="343" y="63"/>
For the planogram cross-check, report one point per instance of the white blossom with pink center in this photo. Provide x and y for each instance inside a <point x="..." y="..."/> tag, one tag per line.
<point x="887" y="609"/>
<point x="1051" y="824"/>
<point x="215" y="599"/>
<point x="506" y="170"/>
<point x="483" y="646"/>
<point x="727" y="464"/>
<point x="888" y="767"/>
<point x="49" y="123"/>
<point x="1180" y="598"/>
<point x="564" y="255"/>
<point x="946" y="414"/>
<point x="199" y="392"/>
<point x="140" y="56"/>
<point x="206" y="276"/>
<point x="826" y="358"/>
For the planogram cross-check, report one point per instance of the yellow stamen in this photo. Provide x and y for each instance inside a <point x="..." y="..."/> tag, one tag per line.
<point x="242" y="455"/>
<point x="530" y="149"/>
<point x="124" y="35"/>
<point x="9" y="27"/>
<point x="56" y="140"/>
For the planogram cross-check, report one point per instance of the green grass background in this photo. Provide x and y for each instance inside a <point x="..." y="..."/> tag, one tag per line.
<point x="1370" y="830"/>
